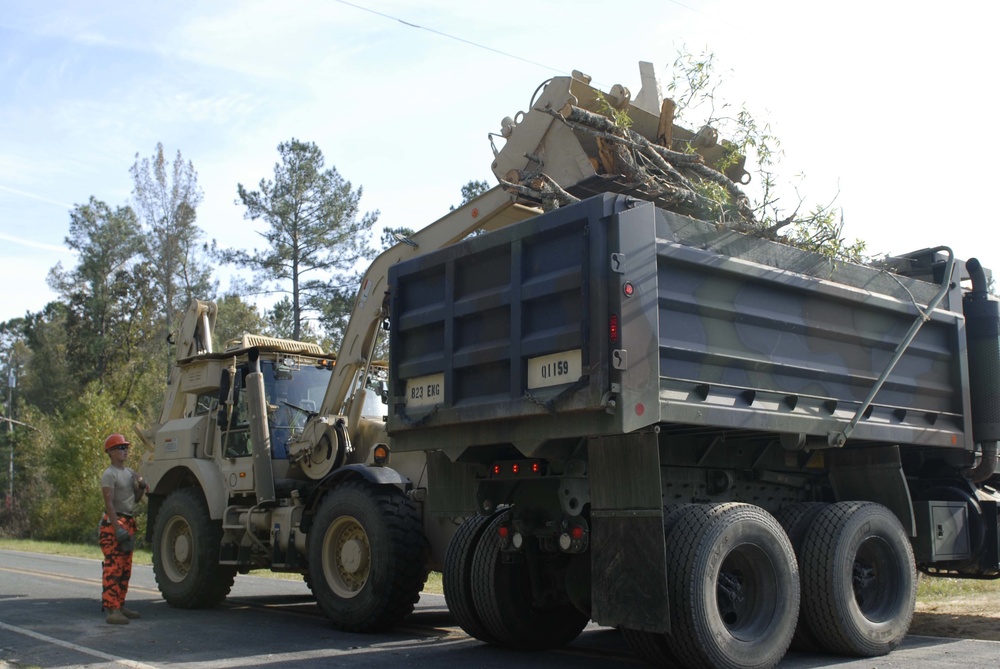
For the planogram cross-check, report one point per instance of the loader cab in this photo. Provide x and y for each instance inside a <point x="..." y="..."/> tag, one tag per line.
<point x="294" y="388"/>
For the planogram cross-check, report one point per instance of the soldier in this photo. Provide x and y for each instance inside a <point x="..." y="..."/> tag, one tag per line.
<point x="122" y="488"/>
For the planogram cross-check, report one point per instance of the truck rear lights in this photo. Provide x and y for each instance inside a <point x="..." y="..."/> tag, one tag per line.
<point x="574" y="539"/>
<point x="504" y="532"/>
<point x="628" y="289"/>
<point x="613" y="328"/>
<point x="517" y="469"/>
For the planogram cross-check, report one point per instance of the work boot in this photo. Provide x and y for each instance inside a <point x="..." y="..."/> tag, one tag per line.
<point x="130" y="614"/>
<point x="116" y="617"/>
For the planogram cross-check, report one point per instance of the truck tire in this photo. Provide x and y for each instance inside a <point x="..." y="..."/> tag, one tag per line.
<point x="186" y="553"/>
<point x="734" y="587"/>
<point x="796" y="519"/>
<point x="501" y="595"/>
<point x="656" y="648"/>
<point x="367" y="556"/>
<point x="457" y="577"/>
<point x="859" y="583"/>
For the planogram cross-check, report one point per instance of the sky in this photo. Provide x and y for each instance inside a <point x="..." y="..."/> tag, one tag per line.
<point x="886" y="106"/>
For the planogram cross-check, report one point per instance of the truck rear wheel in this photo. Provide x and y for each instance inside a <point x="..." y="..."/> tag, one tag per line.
<point x="186" y="553"/>
<point x="367" y="556"/>
<point x="734" y="587"/>
<point x="502" y="596"/>
<point x="457" y="577"/>
<point x="796" y="519"/>
<point x="859" y="583"/>
<point x="656" y="648"/>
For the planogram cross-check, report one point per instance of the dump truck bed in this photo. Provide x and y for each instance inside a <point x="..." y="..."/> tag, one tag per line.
<point x="612" y="315"/>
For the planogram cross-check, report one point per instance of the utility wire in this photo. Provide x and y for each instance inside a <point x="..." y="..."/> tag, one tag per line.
<point x="457" y="39"/>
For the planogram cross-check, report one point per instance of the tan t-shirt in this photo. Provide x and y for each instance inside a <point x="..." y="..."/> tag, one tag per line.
<point x="123" y="488"/>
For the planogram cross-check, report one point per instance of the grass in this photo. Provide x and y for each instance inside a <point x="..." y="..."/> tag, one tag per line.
<point x="145" y="556"/>
<point x="89" y="551"/>
<point x="942" y="589"/>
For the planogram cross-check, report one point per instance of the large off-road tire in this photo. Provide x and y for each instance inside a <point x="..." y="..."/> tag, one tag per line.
<point x="796" y="520"/>
<point x="501" y="595"/>
<point x="367" y="556"/>
<point x="734" y="588"/>
<point x="656" y="647"/>
<point x="859" y="583"/>
<point x="457" y="577"/>
<point x="186" y="553"/>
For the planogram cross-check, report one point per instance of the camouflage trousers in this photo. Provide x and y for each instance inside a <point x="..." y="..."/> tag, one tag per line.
<point x="117" y="563"/>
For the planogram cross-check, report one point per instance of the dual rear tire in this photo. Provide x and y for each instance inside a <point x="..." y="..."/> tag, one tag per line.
<point x="736" y="577"/>
<point x="734" y="590"/>
<point x="492" y="598"/>
<point x="859" y="581"/>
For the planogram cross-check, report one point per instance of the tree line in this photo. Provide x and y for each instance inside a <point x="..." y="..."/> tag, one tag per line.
<point x="95" y="360"/>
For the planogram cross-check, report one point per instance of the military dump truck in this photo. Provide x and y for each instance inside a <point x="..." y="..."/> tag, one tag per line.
<point x="270" y="454"/>
<point x="720" y="444"/>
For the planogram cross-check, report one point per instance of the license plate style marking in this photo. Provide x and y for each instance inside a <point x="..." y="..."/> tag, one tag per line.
<point x="425" y="391"/>
<point x="554" y="369"/>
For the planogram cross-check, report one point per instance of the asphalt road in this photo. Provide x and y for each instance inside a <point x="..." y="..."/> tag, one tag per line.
<point x="50" y="616"/>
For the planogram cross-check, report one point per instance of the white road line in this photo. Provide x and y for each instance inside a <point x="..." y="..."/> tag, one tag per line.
<point x="322" y="653"/>
<point x="80" y="649"/>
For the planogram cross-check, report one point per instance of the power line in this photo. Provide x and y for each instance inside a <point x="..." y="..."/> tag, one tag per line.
<point x="457" y="39"/>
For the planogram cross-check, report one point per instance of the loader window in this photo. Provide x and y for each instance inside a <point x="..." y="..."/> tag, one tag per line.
<point x="236" y="435"/>
<point x="296" y="391"/>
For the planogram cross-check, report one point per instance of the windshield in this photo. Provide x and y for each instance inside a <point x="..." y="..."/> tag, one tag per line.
<point x="296" y="390"/>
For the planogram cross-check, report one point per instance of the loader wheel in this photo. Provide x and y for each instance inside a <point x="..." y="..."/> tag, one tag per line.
<point x="734" y="587"/>
<point x="502" y="596"/>
<point x="186" y="553"/>
<point x="859" y="584"/>
<point x="457" y="577"/>
<point x="367" y="556"/>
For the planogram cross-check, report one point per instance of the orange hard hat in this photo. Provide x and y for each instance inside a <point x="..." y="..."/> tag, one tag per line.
<point x="115" y="440"/>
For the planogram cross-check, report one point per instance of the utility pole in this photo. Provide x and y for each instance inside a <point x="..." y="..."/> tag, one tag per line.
<point x="11" y="380"/>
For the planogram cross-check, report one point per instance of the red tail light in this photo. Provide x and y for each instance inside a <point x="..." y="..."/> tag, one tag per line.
<point x="613" y="328"/>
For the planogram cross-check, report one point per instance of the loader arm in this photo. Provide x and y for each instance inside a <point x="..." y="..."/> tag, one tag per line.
<point x="490" y="211"/>
<point x="194" y="338"/>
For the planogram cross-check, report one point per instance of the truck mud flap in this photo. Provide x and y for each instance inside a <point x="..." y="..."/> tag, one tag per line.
<point x="628" y="556"/>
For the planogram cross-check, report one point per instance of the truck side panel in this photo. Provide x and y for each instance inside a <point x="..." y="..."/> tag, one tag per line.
<point x="751" y="347"/>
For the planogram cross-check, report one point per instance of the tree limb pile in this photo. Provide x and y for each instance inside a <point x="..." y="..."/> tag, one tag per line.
<point x="680" y="181"/>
